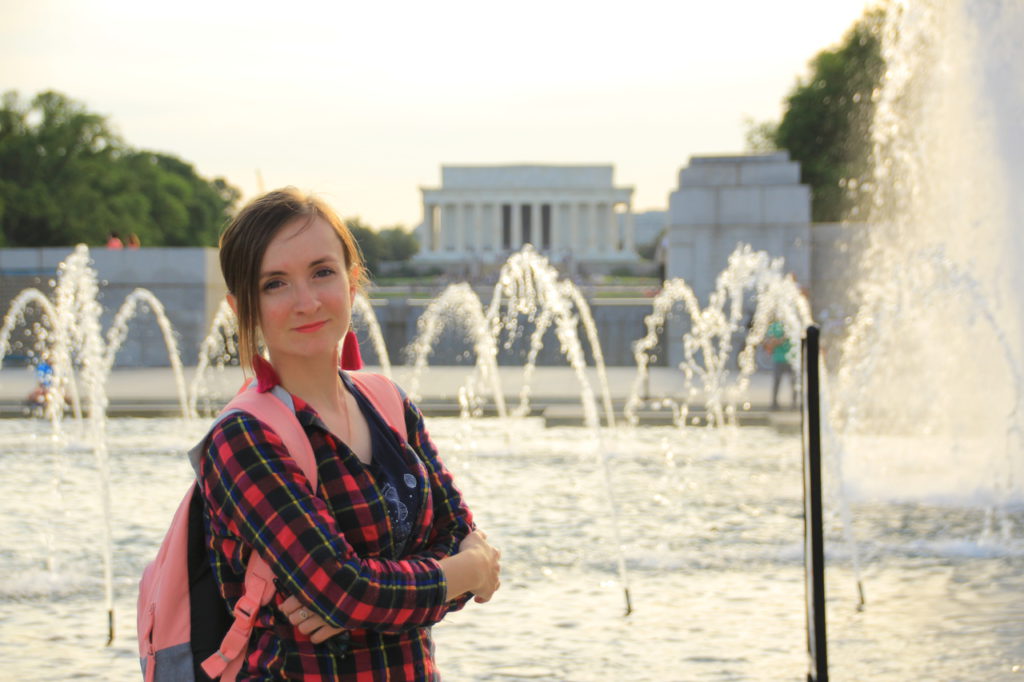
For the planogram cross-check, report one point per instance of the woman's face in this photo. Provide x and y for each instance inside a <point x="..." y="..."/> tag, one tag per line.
<point x="304" y="291"/>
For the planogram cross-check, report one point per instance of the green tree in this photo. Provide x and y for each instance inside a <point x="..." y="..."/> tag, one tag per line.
<point x="827" y="121"/>
<point x="397" y="244"/>
<point x="67" y="178"/>
<point x="368" y="241"/>
<point x="388" y="244"/>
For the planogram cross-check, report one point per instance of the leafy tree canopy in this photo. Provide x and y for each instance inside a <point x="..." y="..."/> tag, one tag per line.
<point x="397" y="244"/>
<point x="368" y="243"/>
<point x="827" y="121"/>
<point x="388" y="244"/>
<point x="66" y="178"/>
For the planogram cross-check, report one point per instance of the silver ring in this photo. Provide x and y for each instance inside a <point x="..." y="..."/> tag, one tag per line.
<point x="303" y="614"/>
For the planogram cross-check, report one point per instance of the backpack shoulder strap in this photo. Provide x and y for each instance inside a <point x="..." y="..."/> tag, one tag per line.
<point x="277" y="410"/>
<point x="386" y="397"/>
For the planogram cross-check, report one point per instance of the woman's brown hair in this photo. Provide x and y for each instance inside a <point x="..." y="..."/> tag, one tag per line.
<point x="244" y="242"/>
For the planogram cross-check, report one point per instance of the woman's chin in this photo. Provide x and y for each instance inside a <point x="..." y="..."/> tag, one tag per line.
<point x="310" y="352"/>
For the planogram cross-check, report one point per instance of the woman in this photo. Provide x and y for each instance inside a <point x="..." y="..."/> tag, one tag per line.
<point x="386" y="547"/>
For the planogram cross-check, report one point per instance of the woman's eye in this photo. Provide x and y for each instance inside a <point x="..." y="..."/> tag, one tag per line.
<point x="324" y="272"/>
<point x="272" y="284"/>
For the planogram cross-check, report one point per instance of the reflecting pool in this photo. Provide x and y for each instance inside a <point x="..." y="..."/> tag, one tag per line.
<point x="711" y="527"/>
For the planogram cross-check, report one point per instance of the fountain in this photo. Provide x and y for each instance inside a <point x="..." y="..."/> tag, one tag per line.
<point x="529" y="287"/>
<point x="940" y="315"/>
<point x="72" y="319"/>
<point x="707" y="344"/>
<point x="711" y="521"/>
<point x="922" y="446"/>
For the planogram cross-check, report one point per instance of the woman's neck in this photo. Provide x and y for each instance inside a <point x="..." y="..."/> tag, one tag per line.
<point x="315" y="380"/>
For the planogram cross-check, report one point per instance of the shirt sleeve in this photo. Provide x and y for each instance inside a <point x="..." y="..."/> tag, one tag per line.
<point x="453" y="520"/>
<point x="261" y="494"/>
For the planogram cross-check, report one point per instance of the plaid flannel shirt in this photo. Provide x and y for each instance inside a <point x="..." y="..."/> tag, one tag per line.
<point x="334" y="551"/>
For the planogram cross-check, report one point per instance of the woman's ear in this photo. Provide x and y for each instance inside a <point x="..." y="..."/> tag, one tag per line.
<point x="233" y="303"/>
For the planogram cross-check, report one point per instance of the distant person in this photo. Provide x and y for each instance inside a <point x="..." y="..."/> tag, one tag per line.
<point x="133" y="241"/>
<point x="778" y="344"/>
<point x="39" y="397"/>
<point x="114" y="241"/>
<point x="44" y="382"/>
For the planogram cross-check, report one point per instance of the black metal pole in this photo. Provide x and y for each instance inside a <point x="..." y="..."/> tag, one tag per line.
<point x="814" y="540"/>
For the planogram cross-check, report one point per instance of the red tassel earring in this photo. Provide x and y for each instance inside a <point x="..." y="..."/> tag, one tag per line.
<point x="350" y="355"/>
<point x="266" y="376"/>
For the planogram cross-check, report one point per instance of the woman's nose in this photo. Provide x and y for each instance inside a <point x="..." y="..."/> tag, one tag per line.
<point x="305" y="298"/>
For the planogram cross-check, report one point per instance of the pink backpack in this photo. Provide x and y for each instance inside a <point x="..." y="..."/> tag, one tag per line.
<point x="182" y="618"/>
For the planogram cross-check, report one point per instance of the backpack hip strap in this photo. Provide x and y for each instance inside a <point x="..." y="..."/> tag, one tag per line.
<point x="259" y="588"/>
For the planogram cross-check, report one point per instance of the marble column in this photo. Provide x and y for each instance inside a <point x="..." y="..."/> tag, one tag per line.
<point x="478" y="227"/>
<point x="611" y="230"/>
<point x="557" y="226"/>
<point x="443" y="216"/>
<point x="465" y="237"/>
<point x="457" y="228"/>
<point x="429" y="238"/>
<point x="629" y="238"/>
<point x="535" y="235"/>
<point x="588" y="220"/>
<point x="450" y="227"/>
<point x="496" y="226"/>
<point x="574" y="227"/>
<point x="446" y="227"/>
<point x="517" y="227"/>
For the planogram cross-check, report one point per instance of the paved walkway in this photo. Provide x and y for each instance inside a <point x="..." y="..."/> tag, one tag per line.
<point x="556" y="389"/>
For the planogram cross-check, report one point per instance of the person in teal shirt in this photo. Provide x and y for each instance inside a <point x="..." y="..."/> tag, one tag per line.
<point x="779" y="345"/>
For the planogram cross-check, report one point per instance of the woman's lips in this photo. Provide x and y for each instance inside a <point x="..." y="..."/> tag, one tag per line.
<point x="310" y="328"/>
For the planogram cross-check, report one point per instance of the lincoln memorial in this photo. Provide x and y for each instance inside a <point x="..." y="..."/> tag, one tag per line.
<point x="573" y="214"/>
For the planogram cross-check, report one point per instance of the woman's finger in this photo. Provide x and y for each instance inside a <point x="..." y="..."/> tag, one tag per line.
<point x="301" y="615"/>
<point x="290" y="605"/>
<point x="324" y="633"/>
<point x="310" y="624"/>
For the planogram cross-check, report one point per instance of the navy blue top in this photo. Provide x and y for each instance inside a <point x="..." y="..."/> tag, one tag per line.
<point x="391" y="465"/>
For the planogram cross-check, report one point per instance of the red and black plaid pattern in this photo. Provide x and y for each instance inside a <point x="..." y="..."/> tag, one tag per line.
<point x="334" y="550"/>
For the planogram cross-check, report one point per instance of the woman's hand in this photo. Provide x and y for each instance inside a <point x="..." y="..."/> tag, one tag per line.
<point x="474" y="569"/>
<point x="477" y="538"/>
<point x="488" y="565"/>
<point x="307" y="622"/>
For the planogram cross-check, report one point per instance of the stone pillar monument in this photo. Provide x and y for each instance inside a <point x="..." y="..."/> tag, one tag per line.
<point x="725" y="200"/>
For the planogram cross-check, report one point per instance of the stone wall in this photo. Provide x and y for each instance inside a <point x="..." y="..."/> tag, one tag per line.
<point x="187" y="282"/>
<point x="722" y="201"/>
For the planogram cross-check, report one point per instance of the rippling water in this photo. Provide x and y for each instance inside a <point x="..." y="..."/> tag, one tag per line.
<point x="711" y="525"/>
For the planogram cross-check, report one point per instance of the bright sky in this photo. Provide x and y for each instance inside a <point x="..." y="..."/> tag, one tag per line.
<point x="363" y="102"/>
